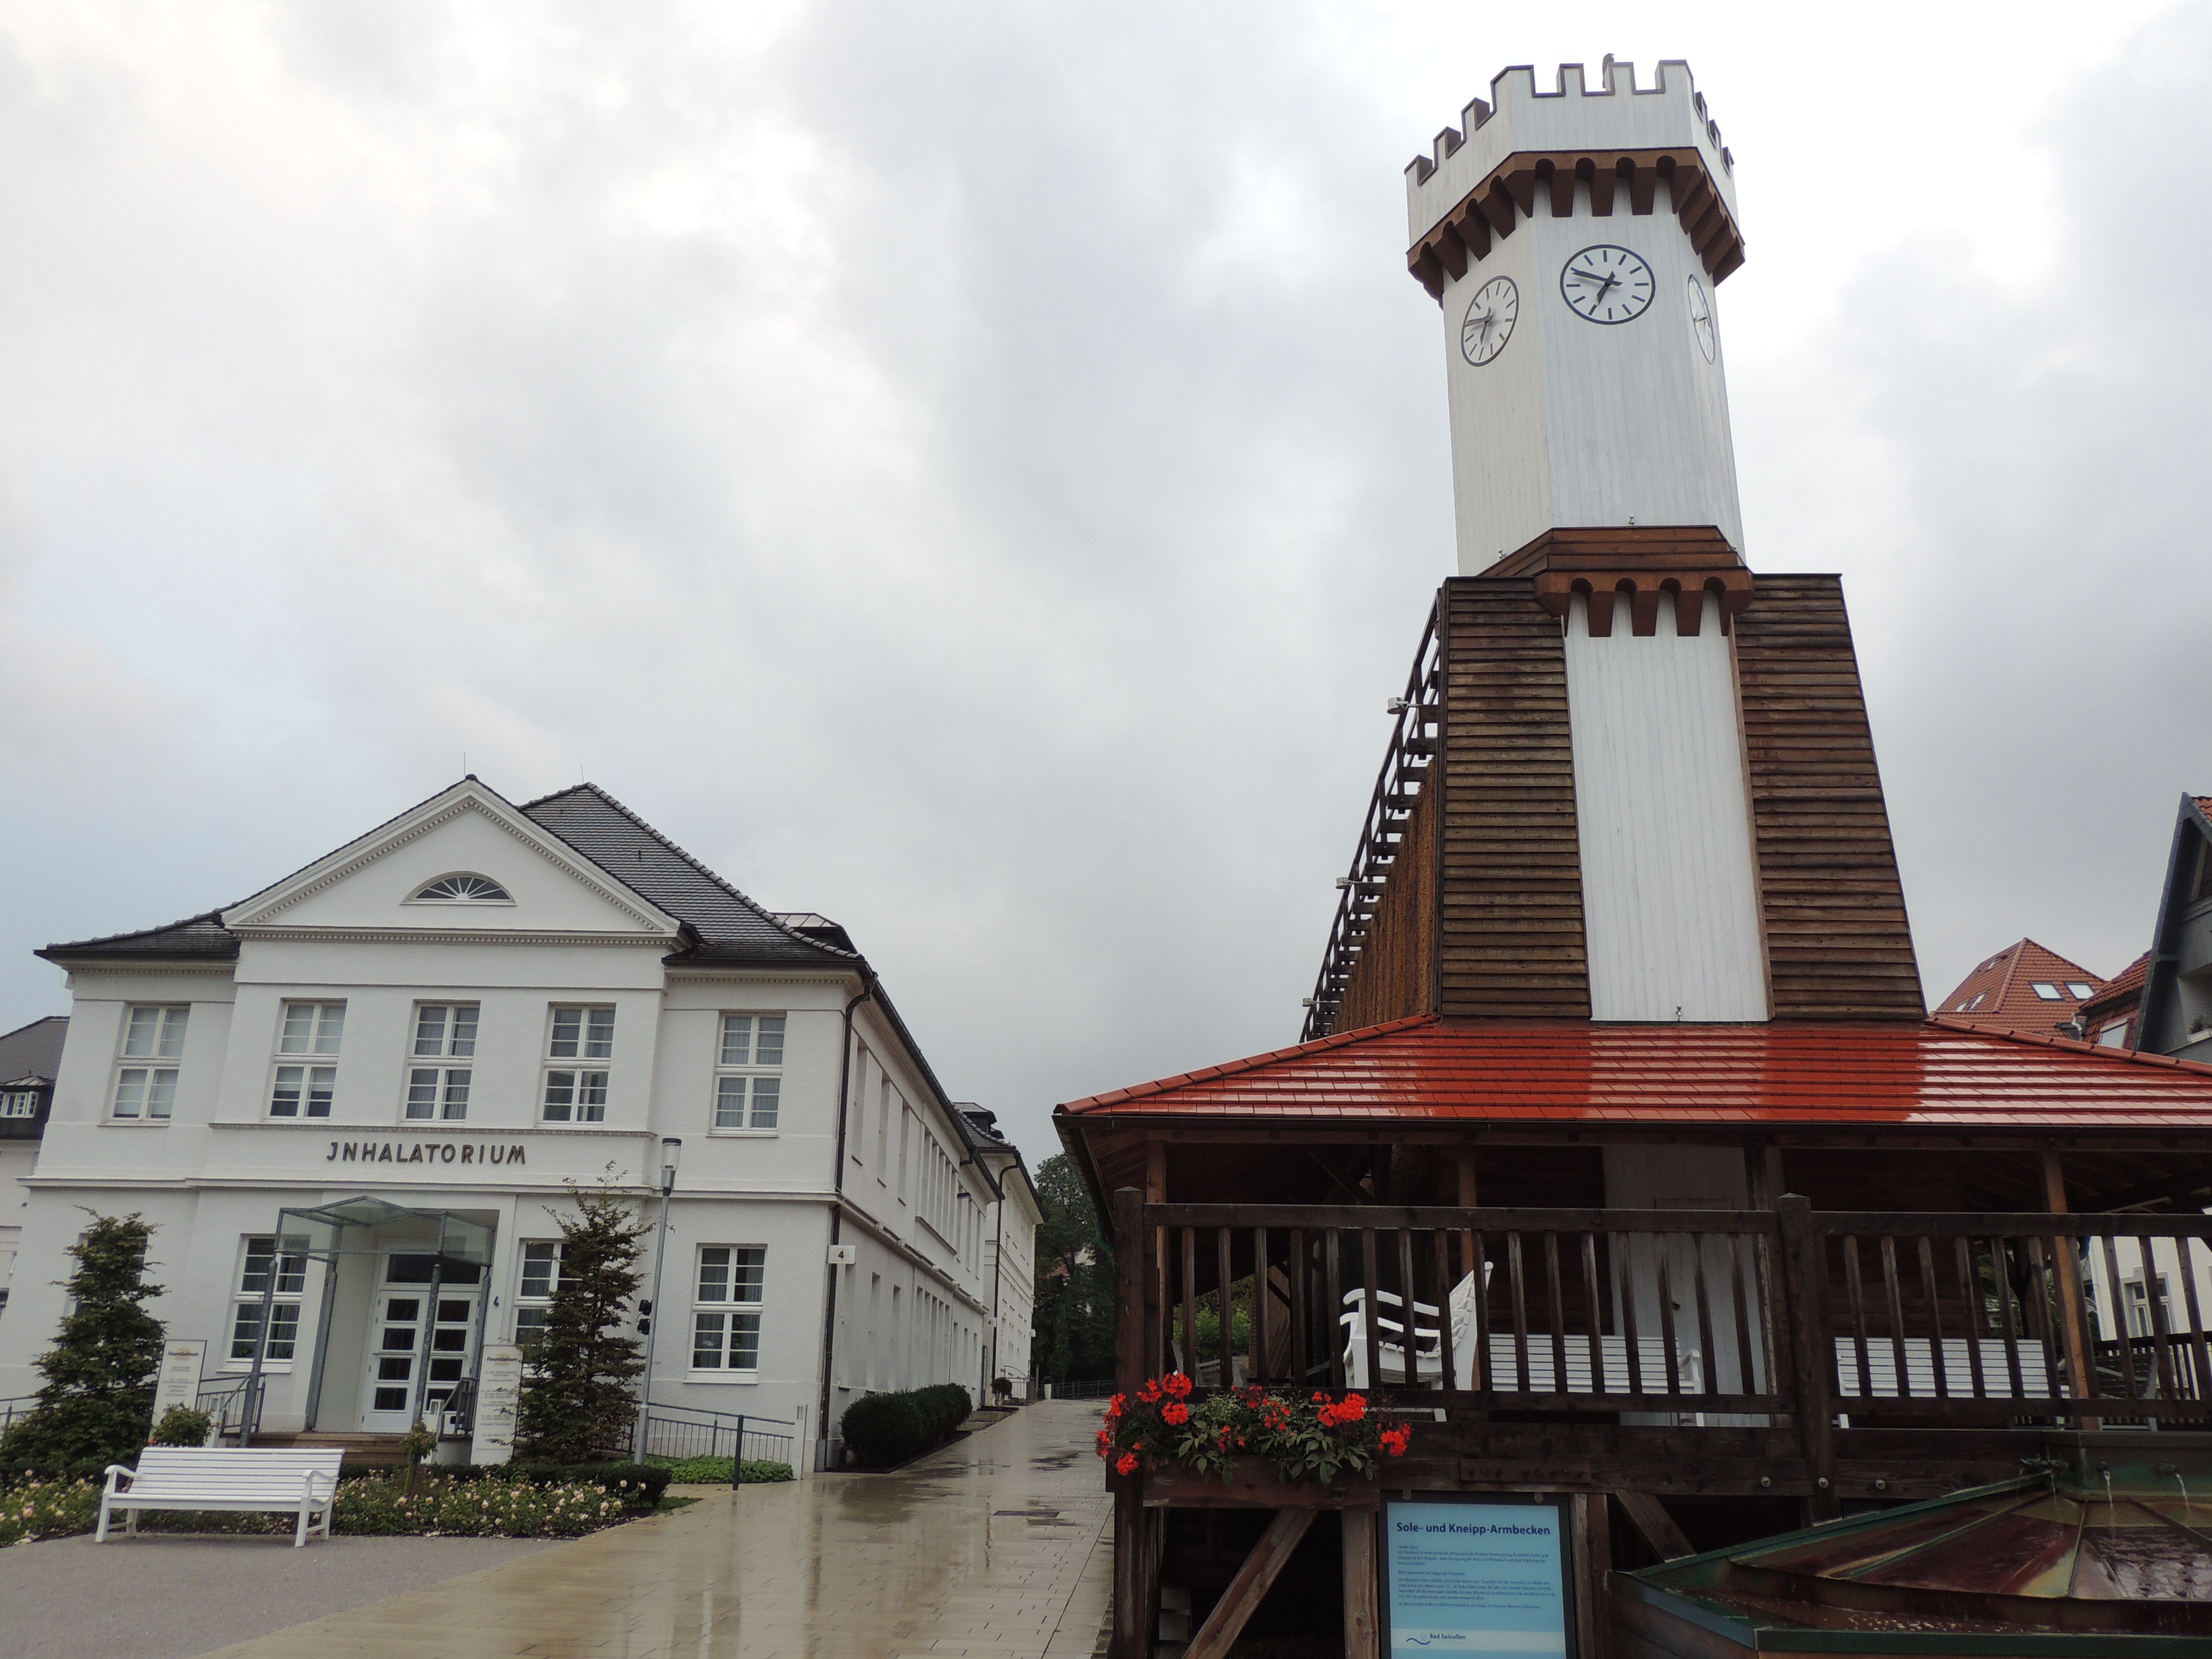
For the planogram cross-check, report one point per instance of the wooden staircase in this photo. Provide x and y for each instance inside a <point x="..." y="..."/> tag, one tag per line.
<point x="375" y="1451"/>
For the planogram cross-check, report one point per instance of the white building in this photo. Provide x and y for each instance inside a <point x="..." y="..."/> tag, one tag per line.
<point x="430" y="1037"/>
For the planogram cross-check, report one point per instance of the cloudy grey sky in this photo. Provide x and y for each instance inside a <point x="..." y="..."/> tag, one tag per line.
<point x="978" y="470"/>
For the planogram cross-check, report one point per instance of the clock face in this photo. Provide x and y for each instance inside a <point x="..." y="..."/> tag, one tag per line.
<point x="1489" y="322"/>
<point x="1701" y="321"/>
<point x="1607" y="284"/>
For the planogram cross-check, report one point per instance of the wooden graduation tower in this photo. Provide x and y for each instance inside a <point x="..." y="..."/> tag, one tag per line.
<point x="1623" y="946"/>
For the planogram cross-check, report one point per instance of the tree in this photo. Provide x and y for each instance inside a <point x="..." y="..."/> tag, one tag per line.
<point x="98" y="1401"/>
<point x="1075" y="1279"/>
<point x="577" y="1398"/>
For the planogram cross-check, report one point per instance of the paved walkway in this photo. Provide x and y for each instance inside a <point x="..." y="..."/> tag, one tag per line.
<point x="997" y="1546"/>
<point x="164" y="1596"/>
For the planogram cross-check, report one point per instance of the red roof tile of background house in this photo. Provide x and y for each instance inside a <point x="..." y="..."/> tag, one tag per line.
<point x="1939" y="1075"/>
<point x="2000" y="994"/>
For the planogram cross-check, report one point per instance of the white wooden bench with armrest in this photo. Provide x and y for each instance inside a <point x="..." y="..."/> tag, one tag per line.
<point x="214" y="1478"/>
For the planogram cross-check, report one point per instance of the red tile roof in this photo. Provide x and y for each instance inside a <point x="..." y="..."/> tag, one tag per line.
<point x="1938" y="1075"/>
<point x="2000" y="994"/>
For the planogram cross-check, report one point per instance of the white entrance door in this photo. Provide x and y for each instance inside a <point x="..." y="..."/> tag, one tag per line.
<point x="420" y="1335"/>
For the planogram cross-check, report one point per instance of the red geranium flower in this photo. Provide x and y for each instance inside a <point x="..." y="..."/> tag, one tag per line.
<point x="1149" y="1393"/>
<point x="1113" y="1405"/>
<point x="1127" y="1465"/>
<point x="1176" y="1385"/>
<point x="1176" y="1413"/>
<point x="1393" y="1441"/>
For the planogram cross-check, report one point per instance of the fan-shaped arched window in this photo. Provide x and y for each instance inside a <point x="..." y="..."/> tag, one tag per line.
<point x="463" y="890"/>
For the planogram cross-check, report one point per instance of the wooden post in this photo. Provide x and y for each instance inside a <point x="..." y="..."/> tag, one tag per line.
<point x="1156" y="1192"/>
<point x="2069" y="1293"/>
<point x="1467" y="1201"/>
<point x="1361" y="1597"/>
<point x="1135" y="1571"/>
<point x="1592" y="1539"/>
<point x="1805" y="1283"/>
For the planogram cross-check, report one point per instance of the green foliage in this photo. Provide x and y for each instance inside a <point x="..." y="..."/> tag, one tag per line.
<point x="883" y="1429"/>
<point x="48" y="1509"/>
<point x="1074" y="1317"/>
<point x="182" y="1425"/>
<point x="98" y="1400"/>
<point x="508" y="1500"/>
<point x="578" y="1391"/>
<point x="715" y="1471"/>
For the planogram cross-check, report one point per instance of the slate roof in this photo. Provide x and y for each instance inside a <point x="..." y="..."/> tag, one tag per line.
<point x="201" y="938"/>
<point x="33" y="1050"/>
<point x="1941" y="1074"/>
<point x="1999" y="995"/>
<point x="728" y="926"/>
<point x="721" y="923"/>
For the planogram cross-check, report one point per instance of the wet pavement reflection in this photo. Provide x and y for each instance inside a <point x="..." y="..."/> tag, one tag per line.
<point x="997" y="1544"/>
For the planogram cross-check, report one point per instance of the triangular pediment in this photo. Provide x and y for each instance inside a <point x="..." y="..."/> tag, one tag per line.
<point x="464" y="862"/>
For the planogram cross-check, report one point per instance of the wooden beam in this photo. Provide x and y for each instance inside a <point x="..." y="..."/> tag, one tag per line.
<point x="1239" y="1601"/>
<point x="1362" y="1601"/>
<point x="1652" y="1523"/>
<point x="2070" y="1292"/>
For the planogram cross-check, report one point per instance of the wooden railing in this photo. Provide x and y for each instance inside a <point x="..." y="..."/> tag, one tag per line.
<point x="1684" y="1318"/>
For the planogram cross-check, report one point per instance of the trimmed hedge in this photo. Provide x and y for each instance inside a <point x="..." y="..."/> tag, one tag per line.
<point x="716" y="1471"/>
<point x="883" y="1429"/>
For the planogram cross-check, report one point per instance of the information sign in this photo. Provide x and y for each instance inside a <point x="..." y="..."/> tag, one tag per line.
<point x="178" y="1383"/>
<point x="1476" y="1575"/>
<point x="499" y="1392"/>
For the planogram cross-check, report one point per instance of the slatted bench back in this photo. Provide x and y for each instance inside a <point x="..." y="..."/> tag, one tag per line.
<point x="197" y="1475"/>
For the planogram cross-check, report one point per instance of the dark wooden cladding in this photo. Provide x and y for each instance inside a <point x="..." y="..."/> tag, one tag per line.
<point x="1396" y="975"/>
<point x="1509" y="927"/>
<point x="1837" y="944"/>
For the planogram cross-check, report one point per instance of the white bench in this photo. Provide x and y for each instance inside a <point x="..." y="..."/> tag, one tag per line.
<point x="213" y="1477"/>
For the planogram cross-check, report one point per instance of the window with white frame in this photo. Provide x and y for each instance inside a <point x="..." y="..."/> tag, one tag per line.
<point x="2114" y="1035"/>
<point x="2049" y="992"/>
<point x="301" y="1088"/>
<point x="146" y="1082"/>
<point x="259" y="1262"/>
<point x="748" y="1071"/>
<point x="2136" y="1300"/>
<point x="443" y="1059"/>
<point x="540" y="1276"/>
<point x="578" y="1093"/>
<point x="726" y="1315"/>
<point x="19" y="1102"/>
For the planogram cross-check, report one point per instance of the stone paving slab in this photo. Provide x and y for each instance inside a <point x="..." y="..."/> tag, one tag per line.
<point x="165" y="1595"/>
<point x="997" y="1546"/>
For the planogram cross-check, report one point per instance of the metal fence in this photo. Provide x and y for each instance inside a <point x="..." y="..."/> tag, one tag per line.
<point x="12" y="1410"/>
<point x="234" y="1405"/>
<point x="681" y="1431"/>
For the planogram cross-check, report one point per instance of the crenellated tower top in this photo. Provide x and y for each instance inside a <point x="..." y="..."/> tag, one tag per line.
<point x="1483" y="176"/>
<point x="1574" y="240"/>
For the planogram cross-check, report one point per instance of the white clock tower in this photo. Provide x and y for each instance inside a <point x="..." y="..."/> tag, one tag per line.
<point x="1574" y="240"/>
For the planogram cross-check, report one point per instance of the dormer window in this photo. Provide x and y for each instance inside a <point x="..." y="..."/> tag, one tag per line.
<point x="463" y="890"/>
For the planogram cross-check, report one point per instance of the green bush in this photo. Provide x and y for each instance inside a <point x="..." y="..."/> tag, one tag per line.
<point x="883" y="1429"/>
<point x="182" y="1425"/>
<point x="49" y="1509"/>
<point x="489" y="1503"/>
<point x="715" y="1471"/>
